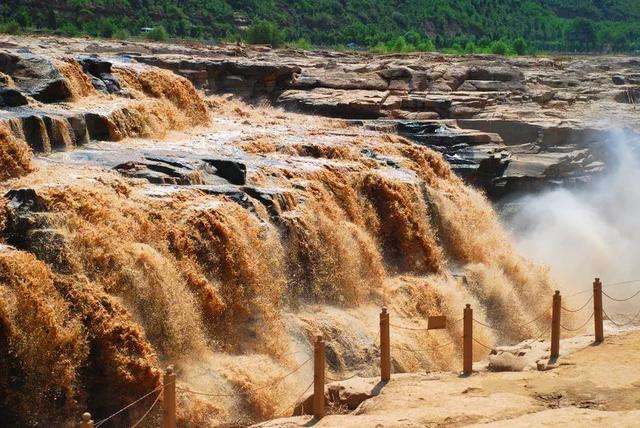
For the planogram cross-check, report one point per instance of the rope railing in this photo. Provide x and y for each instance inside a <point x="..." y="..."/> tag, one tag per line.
<point x="332" y="379"/>
<point x="622" y="300"/>
<point x="580" y="308"/>
<point x="128" y="406"/>
<point x="538" y="318"/>
<point x="544" y="333"/>
<point x="271" y="384"/>
<point x="206" y="394"/>
<point x="490" y="348"/>
<point x="412" y="328"/>
<point x="401" y="327"/>
<point x="148" y="411"/>
<point x="168" y="387"/>
<point x="578" y="328"/>
<point x="406" y="348"/>
<point x="631" y="321"/>
<point x="295" y="403"/>
<point x="481" y="323"/>
<point x="608" y="286"/>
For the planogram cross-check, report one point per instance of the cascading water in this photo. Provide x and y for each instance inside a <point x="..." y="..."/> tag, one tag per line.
<point x="106" y="285"/>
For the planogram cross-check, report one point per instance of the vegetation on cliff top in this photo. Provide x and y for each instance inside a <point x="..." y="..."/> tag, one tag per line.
<point x="509" y="26"/>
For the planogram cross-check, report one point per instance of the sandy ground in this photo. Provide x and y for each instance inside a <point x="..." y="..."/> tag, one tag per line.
<point x="597" y="385"/>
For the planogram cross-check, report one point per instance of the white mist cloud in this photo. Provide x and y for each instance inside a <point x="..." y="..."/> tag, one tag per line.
<point x="587" y="233"/>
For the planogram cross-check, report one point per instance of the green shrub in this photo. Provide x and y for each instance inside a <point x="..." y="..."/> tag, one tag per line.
<point x="121" y="34"/>
<point x="471" y="48"/>
<point x="69" y="29"/>
<point x="158" y="34"/>
<point x="400" y="45"/>
<point x="10" y="27"/>
<point x="520" y="46"/>
<point x="264" y="33"/>
<point x="499" y="47"/>
<point x="380" y="48"/>
<point x="426" y="45"/>
<point x="301" y="44"/>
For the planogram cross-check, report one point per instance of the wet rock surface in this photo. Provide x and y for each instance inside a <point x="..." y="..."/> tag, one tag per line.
<point x="507" y="125"/>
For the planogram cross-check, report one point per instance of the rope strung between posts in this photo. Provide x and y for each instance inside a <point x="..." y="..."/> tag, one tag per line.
<point x="481" y="323"/>
<point x="102" y="421"/>
<point x="542" y="314"/>
<point x="148" y="411"/>
<point x="401" y="327"/>
<point x="279" y="380"/>
<point x="579" y="328"/>
<point x="544" y="333"/>
<point x="634" y="319"/>
<point x="406" y="348"/>
<point x="340" y="380"/>
<point x="207" y="394"/>
<point x="612" y="285"/>
<point x="295" y="402"/>
<point x="580" y="308"/>
<point x="483" y="345"/>
<point x="271" y="384"/>
<point x="621" y="300"/>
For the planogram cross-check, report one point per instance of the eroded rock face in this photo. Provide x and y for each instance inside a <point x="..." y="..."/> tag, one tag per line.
<point x="28" y="227"/>
<point x="35" y="76"/>
<point x="506" y="125"/>
<point x="101" y="74"/>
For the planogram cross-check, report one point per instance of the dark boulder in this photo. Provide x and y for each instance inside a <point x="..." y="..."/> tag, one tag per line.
<point x="618" y="79"/>
<point x="27" y="228"/>
<point x="36" y="76"/>
<point x="53" y="91"/>
<point x="162" y="171"/>
<point x="99" y="71"/>
<point x="498" y="74"/>
<point x="12" y="98"/>
<point x="233" y="171"/>
<point x="35" y="133"/>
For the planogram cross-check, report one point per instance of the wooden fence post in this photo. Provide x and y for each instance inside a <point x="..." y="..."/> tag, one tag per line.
<point x="597" y="310"/>
<point x="467" y="341"/>
<point x="169" y="399"/>
<point x="318" y="378"/>
<point x="555" y="325"/>
<point x="86" y="422"/>
<point x="385" y="346"/>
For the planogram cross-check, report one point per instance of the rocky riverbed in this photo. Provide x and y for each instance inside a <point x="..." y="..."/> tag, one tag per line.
<point x="507" y="125"/>
<point x="217" y="207"/>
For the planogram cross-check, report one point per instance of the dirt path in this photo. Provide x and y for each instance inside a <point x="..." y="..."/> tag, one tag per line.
<point x="597" y="385"/>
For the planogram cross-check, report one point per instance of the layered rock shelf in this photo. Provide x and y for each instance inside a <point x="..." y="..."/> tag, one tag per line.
<point x="507" y="125"/>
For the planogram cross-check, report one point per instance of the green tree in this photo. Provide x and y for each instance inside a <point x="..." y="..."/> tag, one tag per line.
<point x="10" y="27"/>
<point x="264" y="33"/>
<point x="499" y="47"/>
<point x="581" y="34"/>
<point x="520" y="46"/>
<point x="158" y="34"/>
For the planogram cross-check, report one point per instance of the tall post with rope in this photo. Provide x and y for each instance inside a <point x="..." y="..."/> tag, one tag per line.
<point x="385" y="346"/>
<point x="169" y="399"/>
<point x="597" y="310"/>
<point x="467" y="341"/>
<point x="555" y="325"/>
<point x="318" y="378"/>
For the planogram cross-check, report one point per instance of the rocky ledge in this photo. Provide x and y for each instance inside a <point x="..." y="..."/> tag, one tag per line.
<point x="507" y="125"/>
